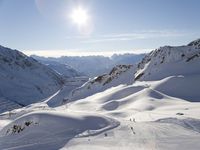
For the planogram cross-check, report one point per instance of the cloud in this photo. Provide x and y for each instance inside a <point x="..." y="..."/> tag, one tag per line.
<point x="137" y="35"/>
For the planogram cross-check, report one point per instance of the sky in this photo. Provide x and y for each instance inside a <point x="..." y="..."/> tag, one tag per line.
<point x="57" y="27"/>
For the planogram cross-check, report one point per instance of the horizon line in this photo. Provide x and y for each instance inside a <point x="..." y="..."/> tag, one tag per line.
<point x="60" y="53"/>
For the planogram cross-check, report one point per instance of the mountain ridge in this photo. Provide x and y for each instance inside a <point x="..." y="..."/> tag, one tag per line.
<point x="24" y="79"/>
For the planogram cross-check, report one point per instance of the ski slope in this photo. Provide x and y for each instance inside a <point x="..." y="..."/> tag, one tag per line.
<point x="121" y="117"/>
<point x="157" y="110"/>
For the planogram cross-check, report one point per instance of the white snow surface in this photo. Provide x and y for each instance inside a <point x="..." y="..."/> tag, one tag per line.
<point x="121" y="74"/>
<point x="169" y="61"/>
<point x="121" y="117"/>
<point x="160" y="110"/>
<point x="24" y="80"/>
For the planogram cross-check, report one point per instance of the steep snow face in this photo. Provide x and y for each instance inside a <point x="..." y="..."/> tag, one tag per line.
<point x="121" y="74"/>
<point x="23" y="79"/>
<point x="167" y="61"/>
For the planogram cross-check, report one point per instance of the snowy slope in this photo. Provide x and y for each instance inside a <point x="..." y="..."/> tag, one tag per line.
<point x="161" y="63"/>
<point x="52" y="130"/>
<point x="122" y="117"/>
<point x="63" y="69"/>
<point x="59" y="98"/>
<point x="167" y="61"/>
<point x="148" y="118"/>
<point x="121" y="74"/>
<point x="152" y="112"/>
<point x="23" y="79"/>
<point x="178" y="67"/>
<point x="7" y="105"/>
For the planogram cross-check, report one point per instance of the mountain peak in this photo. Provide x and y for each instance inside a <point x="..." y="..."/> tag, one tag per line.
<point x="195" y="43"/>
<point x="169" y="61"/>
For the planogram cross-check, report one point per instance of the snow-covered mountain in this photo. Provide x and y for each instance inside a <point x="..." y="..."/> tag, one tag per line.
<point x="120" y="74"/>
<point x="7" y="105"/>
<point x="88" y="64"/>
<point x="195" y="44"/>
<point x="63" y="69"/>
<point x="167" y="61"/>
<point x="177" y="66"/>
<point x="148" y="106"/>
<point x="161" y="63"/>
<point x="24" y="80"/>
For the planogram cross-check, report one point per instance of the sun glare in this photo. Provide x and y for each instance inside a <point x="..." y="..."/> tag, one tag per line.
<point x="79" y="16"/>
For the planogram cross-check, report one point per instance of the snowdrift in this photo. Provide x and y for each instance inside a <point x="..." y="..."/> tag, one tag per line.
<point x="45" y="128"/>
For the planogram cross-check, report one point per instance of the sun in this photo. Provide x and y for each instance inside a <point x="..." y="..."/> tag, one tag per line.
<point x="79" y="16"/>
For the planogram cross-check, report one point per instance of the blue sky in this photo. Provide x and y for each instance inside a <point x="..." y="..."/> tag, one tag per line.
<point x="44" y="26"/>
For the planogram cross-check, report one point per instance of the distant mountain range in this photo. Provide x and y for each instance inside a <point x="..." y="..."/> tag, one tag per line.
<point x="64" y="70"/>
<point x="93" y="66"/>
